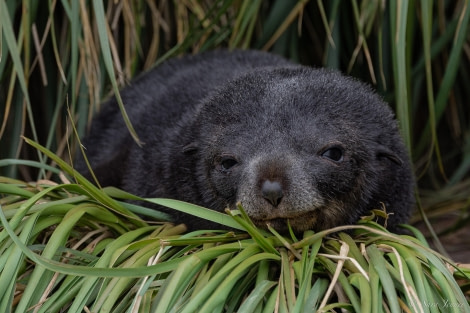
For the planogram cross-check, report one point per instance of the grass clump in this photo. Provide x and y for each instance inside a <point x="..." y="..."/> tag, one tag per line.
<point x="77" y="248"/>
<point x="59" y="61"/>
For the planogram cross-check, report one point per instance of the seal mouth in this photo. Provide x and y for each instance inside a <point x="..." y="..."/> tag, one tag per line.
<point x="284" y="216"/>
<point x="298" y="222"/>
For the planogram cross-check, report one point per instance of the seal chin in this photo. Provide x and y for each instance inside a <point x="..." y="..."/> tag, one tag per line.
<point x="314" y="218"/>
<point x="298" y="222"/>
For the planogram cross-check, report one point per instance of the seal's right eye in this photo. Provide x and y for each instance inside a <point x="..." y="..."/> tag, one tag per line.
<point x="334" y="154"/>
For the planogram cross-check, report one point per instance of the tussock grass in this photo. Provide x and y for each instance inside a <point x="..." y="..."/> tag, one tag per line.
<point x="80" y="248"/>
<point x="62" y="55"/>
<point x="59" y="55"/>
<point x="74" y="247"/>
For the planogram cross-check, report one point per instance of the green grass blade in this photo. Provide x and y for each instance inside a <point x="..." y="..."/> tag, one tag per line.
<point x="102" y="26"/>
<point x="316" y="295"/>
<point x="378" y="262"/>
<point x="39" y="279"/>
<point x="221" y="293"/>
<point x="399" y="18"/>
<point x="454" y="60"/>
<point x="199" y="211"/>
<point x="9" y="162"/>
<point x="256" y="296"/>
<point x="361" y="284"/>
<point x="15" y="255"/>
<point x="18" y="65"/>
<point x="198" y="299"/>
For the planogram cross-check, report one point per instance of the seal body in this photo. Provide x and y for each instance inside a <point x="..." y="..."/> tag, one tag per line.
<point x="294" y="144"/>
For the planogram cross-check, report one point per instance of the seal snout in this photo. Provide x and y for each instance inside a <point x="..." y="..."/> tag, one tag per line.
<point x="272" y="192"/>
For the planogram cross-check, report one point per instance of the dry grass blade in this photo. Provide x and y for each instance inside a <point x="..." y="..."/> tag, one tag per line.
<point x="295" y="13"/>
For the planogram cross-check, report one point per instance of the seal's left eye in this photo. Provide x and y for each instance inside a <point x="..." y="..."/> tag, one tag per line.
<point x="334" y="154"/>
<point x="227" y="163"/>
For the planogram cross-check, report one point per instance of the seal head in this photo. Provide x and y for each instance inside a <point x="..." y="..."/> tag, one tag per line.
<point x="303" y="146"/>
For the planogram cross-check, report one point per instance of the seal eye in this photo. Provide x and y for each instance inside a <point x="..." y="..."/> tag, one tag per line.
<point x="226" y="163"/>
<point x="334" y="154"/>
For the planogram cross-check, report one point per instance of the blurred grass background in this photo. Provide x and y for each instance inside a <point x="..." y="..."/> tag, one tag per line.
<point x="71" y="55"/>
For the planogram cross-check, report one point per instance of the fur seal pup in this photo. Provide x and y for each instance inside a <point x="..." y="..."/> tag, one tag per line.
<point x="291" y="143"/>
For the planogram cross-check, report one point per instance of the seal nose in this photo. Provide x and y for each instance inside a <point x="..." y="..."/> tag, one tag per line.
<point x="272" y="192"/>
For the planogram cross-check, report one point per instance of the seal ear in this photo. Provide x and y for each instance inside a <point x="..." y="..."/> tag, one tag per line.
<point x="190" y="148"/>
<point x="384" y="152"/>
